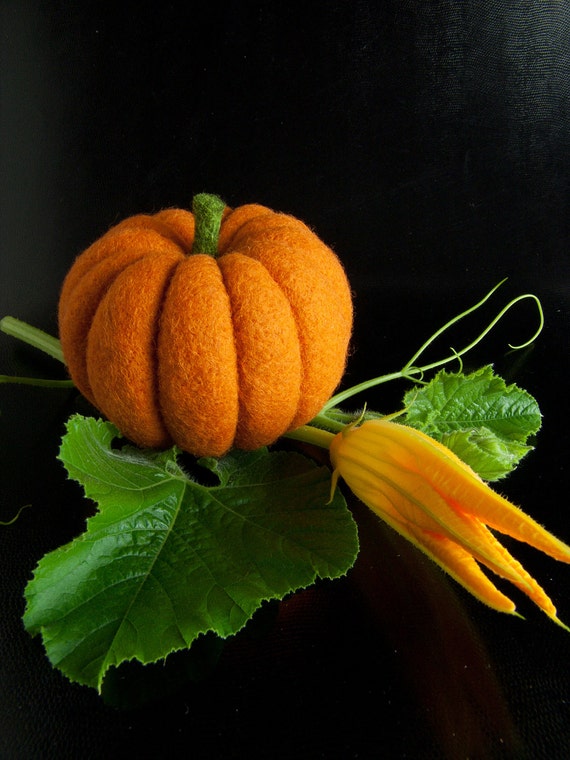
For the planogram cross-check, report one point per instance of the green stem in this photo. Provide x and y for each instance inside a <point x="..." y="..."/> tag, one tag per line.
<point x="409" y="370"/>
<point x="36" y="381"/>
<point x="451" y="322"/>
<point x="489" y="327"/>
<point x="208" y="210"/>
<point x="312" y="435"/>
<point x="18" y="513"/>
<point x="334" y="424"/>
<point x="341" y="397"/>
<point x="33" y="336"/>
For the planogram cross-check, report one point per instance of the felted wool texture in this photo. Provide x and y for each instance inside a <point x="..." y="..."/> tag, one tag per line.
<point x="207" y="352"/>
<point x="88" y="280"/>
<point x="121" y="349"/>
<point x="267" y="350"/>
<point x="197" y="364"/>
<point x="234" y="221"/>
<point x="180" y="224"/>
<point x="314" y="281"/>
<point x="130" y="232"/>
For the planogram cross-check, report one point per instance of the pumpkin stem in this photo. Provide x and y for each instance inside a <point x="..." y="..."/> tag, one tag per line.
<point x="208" y="210"/>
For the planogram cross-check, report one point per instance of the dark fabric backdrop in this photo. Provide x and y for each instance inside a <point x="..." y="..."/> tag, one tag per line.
<point x="428" y="144"/>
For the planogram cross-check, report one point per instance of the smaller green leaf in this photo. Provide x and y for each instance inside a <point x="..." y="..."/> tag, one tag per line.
<point x="484" y="421"/>
<point x="166" y="558"/>
<point x="493" y="457"/>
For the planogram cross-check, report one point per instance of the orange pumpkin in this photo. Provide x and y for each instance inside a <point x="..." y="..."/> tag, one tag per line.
<point x="207" y="349"/>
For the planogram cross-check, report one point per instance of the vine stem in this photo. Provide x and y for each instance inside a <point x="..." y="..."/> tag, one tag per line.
<point x="313" y="435"/>
<point x="18" y="513"/>
<point x="409" y="370"/>
<point x="33" y="336"/>
<point x="40" y="382"/>
<point x="330" y="421"/>
<point x="36" y="338"/>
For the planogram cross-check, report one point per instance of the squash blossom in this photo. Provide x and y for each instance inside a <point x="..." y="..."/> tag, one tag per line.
<point x="436" y="501"/>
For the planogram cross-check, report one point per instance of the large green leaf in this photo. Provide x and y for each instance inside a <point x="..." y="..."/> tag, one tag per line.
<point x="167" y="558"/>
<point x="484" y="421"/>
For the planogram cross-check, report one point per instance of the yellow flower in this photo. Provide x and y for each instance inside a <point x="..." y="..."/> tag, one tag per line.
<point x="426" y="493"/>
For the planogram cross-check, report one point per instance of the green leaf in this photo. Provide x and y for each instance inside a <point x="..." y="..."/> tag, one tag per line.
<point x="492" y="457"/>
<point x="166" y="558"/>
<point x="484" y="421"/>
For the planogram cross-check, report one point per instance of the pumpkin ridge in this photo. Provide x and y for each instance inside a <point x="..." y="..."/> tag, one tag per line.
<point x="267" y="351"/>
<point x="76" y="359"/>
<point x="274" y="226"/>
<point x="155" y="342"/>
<point x="236" y="348"/>
<point x="315" y="284"/>
<point x="278" y="221"/>
<point x="121" y="349"/>
<point x="299" y="337"/>
<point x="197" y="357"/>
<point x="105" y="247"/>
<point x="301" y="340"/>
<point x="178" y="226"/>
<point x="92" y="274"/>
<point x="232" y="311"/>
<point x="250" y="212"/>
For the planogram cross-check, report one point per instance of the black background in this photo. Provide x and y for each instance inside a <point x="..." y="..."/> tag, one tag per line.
<point x="428" y="144"/>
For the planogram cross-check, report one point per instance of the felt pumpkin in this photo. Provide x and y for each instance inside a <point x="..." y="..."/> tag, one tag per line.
<point x="210" y="330"/>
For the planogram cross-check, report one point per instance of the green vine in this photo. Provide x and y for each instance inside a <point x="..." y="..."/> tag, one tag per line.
<point x="36" y="338"/>
<point x="330" y="419"/>
<point x="16" y="516"/>
<point x="410" y="370"/>
<point x="33" y="336"/>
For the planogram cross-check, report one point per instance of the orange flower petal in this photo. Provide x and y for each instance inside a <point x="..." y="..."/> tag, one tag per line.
<point x="426" y="493"/>
<point x="496" y="511"/>
<point x="463" y="489"/>
<point x="450" y="556"/>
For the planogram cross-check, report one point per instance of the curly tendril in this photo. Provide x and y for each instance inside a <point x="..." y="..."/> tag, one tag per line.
<point x="411" y="368"/>
<point x="410" y="371"/>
